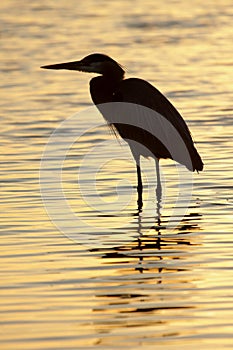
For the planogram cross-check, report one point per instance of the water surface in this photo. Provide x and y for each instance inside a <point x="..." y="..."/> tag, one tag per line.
<point x="132" y="283"/>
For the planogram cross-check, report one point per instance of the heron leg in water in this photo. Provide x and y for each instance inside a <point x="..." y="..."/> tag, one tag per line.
<point x="139" y="188"/>
<point x="159" y="185"/>
<point x="158" y="192"/>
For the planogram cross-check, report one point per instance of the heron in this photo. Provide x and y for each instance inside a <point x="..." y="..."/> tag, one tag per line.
<point x="111" y="86"/>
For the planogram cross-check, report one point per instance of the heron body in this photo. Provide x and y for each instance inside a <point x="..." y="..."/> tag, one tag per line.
<point x="110" y="86"/>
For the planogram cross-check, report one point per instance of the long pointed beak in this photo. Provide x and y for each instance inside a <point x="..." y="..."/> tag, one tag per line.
<point x="75" y="65"/>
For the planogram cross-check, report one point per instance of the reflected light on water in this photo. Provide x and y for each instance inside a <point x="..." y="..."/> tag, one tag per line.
<point x="146" y="287"/>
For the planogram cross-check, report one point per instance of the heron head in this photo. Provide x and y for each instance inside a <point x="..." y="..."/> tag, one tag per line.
<point x="94" y="63"/>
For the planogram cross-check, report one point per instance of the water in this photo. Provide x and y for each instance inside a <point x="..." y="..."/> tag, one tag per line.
<point x="123" y="281"/>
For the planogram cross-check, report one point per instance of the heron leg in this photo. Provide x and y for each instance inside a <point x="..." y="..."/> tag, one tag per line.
<point x="159" y="185"/>
<point x="139" y="188"/>
<point x="158" y="192"/>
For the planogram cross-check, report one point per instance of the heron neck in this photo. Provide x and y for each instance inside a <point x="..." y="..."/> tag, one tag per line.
<point x="113" y="76"/>
<point x="102" y="88"/>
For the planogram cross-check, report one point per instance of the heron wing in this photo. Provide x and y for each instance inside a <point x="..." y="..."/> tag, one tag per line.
<point x="140" y="92"/>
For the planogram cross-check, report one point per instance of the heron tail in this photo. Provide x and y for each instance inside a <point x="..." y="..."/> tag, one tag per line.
<point x="196" y="160"/>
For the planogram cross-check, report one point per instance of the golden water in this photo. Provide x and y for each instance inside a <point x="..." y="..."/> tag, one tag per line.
<point x="144" y="286"/>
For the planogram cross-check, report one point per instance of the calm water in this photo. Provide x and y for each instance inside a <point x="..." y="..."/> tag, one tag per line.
<point x="114" y="279"/>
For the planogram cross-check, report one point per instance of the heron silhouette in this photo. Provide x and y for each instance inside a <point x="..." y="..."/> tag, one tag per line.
<point x="110" y="87"/>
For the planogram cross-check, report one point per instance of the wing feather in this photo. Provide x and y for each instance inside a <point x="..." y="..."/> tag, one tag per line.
<point x="140" y="92"/>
